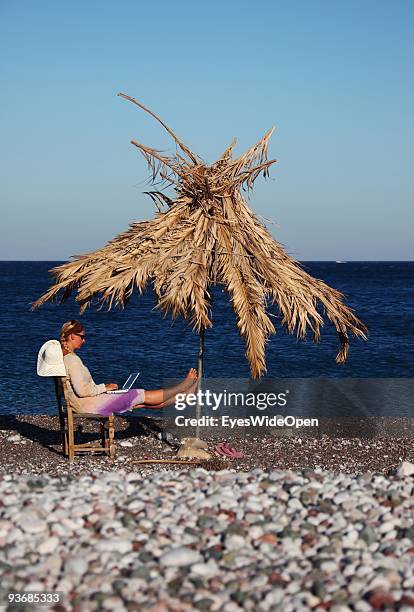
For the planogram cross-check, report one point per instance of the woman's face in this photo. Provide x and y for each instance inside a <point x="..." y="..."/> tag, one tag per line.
<point x="77" y="339"/>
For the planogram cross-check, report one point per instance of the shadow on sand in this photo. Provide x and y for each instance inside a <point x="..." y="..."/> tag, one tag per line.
<point x="45" y="430"/>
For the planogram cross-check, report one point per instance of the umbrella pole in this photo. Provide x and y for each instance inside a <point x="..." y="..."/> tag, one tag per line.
<point x="200" y="375"/>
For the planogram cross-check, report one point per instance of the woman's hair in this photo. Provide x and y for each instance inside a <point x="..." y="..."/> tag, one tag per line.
<point x="68" y="328"/>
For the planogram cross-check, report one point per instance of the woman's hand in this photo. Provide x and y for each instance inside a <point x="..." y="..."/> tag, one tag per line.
<point x="111" y="386"/>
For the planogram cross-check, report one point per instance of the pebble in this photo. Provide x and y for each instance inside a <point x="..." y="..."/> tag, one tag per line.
<point x="368" y="534"/>
<point x="76" y="565"/>
<point x="178" y="557"/>
<point x="329" y="567"/>
<point x="32" y="525"/>
<point x="206" y="570"/>
<point x="386" y="527"/>
<point x="114" y="545"/>
<point x="211" y="540"/>
<point x="405" y="469"/>
<point x="234" y="542"/>
<point x="48" y="546"/>
<point x="14" y="438"/>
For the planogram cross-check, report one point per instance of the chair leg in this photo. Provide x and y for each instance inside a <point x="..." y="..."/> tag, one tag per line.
<point x="71" y="450"/>
<point x="102" y="434"/>
<point x="64" y="434"/>
<point x="111" y="437"/>
<point x="65" y="442"/>
<point x="71" y="437"/>
<point x="61" y="413"/>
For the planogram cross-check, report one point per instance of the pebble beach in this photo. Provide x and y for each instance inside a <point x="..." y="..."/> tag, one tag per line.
<point x="299" y="523"/>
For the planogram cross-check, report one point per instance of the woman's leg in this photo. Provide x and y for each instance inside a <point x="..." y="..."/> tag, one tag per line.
<point x="157" y="397"/>
<point x="139" y="398"/>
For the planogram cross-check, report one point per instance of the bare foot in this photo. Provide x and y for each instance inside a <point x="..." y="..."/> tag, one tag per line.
<point x="193" y="388"/>
<point x="191" y="379"/>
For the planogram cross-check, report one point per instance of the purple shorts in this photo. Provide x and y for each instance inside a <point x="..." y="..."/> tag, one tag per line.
<point x="117" y="403"/>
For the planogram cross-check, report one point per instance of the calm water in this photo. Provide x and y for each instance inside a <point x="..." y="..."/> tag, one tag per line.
<point x="139" y="338"/>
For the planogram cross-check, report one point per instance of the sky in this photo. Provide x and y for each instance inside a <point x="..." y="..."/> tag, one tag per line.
<point x="335" y="78"/>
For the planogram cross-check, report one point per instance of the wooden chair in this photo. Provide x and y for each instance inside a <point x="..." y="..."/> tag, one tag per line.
<point x="69" y="419"/>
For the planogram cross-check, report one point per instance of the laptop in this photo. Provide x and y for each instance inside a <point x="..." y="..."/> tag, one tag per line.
<point x="127" y="384"/>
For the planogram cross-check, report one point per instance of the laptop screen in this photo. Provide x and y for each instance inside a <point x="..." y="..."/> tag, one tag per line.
<point x="130" y="380"/>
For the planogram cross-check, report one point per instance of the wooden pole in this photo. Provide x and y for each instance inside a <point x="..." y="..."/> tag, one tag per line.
<point x="200" y="375"/>
<point x="176" y="461"/>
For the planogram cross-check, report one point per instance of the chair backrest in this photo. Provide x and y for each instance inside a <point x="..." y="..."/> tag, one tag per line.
<point x="62" y="399"/>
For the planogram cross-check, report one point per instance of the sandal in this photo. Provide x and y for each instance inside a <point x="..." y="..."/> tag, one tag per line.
<point x="225" y="450"/>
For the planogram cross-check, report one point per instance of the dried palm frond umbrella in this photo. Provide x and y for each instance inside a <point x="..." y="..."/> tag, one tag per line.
<point x="207" y="235"/>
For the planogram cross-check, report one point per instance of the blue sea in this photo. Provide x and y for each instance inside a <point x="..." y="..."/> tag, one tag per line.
<point x="139" y="338"/>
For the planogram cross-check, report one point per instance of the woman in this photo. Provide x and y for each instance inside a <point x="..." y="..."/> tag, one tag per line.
<point x="86" y="396"/>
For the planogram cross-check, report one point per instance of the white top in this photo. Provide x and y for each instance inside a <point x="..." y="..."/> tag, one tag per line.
<point x="81" y="383"/>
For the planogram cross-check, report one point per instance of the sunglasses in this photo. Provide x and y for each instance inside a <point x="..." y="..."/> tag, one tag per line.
<point x="82" y="336"/>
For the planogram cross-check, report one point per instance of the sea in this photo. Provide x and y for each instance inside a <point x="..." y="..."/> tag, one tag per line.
<point x="139" y="337"/>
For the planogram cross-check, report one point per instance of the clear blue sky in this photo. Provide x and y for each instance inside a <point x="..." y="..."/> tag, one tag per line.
<point x="336" y="78"/>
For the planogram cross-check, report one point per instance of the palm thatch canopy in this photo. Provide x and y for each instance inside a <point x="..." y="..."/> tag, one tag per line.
<point x="207" y="235"/>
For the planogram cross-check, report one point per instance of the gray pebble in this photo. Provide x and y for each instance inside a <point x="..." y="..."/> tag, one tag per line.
<point x="180" y="557"/>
